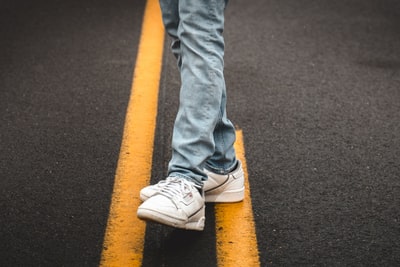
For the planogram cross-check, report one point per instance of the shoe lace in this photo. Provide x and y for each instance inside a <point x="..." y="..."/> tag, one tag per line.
<point x="176" y="187"/>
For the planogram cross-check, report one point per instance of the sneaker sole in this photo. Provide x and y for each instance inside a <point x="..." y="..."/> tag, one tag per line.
<point x="195" y="222"/>
<point x="225" y="196"/>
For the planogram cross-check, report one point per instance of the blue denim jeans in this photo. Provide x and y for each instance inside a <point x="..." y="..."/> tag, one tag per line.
<point x="203" y="136"/>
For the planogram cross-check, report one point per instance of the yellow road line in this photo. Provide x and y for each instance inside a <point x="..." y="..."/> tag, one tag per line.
<point x="124" y="237"/>
<point x="235" y="227"/>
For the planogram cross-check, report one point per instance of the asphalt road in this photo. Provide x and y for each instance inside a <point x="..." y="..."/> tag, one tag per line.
<point x="314" y="85"/>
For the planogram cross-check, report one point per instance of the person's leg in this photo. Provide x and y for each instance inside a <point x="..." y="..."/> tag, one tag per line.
<point x="201" y="131"/>
<point x="176" y="202"/>
<point x="223" y="160"/>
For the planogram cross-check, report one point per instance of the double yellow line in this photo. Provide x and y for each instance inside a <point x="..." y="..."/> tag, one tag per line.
<point x="124" y="237"/>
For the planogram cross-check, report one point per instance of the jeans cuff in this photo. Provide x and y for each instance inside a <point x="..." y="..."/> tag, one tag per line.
<point x="222" y="171"/>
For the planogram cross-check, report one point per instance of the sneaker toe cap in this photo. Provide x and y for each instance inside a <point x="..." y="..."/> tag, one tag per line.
<point x="163" y="205"/>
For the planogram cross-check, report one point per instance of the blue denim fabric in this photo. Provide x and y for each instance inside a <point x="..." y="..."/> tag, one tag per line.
<point x="203" y="136"/>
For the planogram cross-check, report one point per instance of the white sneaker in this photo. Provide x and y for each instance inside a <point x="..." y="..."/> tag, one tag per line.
<point x="178" y="203"/>
<point x="217" y="188"/>
<point x="225" y="188"/>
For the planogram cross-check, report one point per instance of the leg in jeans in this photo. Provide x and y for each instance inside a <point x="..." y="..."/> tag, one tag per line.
<point x="203" y="136"/>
